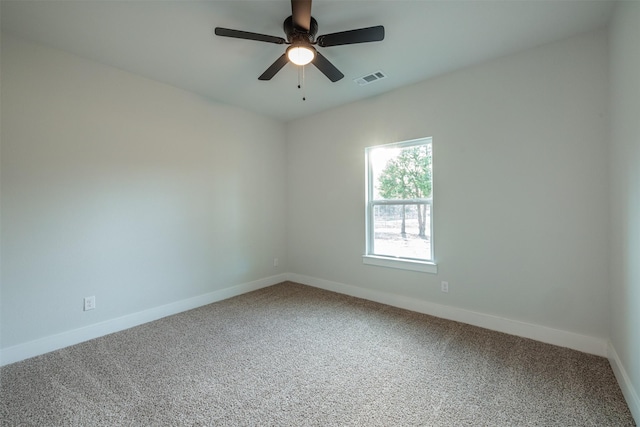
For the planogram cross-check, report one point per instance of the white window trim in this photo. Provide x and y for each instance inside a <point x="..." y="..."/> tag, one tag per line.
<point x="389" y="261"/>
<point x="401" y="263"/>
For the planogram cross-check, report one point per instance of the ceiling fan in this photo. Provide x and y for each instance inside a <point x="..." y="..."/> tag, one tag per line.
<point x="300" y="29"/>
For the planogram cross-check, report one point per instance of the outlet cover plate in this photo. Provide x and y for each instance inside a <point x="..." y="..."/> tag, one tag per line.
<point x="444" y="286"/>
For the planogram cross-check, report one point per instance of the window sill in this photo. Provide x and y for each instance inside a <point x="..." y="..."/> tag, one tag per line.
<point x="402" y="264"/>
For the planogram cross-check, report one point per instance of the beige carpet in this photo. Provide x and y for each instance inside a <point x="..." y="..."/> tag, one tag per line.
<point x="291" y="355"/>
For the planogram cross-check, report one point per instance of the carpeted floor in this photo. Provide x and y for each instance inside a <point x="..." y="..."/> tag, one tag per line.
<point x="292" y="355"/>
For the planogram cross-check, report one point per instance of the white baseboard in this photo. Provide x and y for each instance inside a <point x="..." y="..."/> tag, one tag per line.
<point x="629" y="392"/>
<point x="558" y="337"/>
<point x="584" y="343"/>
<point x="75" y="336"/>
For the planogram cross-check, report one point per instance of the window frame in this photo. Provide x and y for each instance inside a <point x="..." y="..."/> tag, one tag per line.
<point x="370" y="257"/>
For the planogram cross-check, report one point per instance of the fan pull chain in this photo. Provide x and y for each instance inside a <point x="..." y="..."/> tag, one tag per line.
<point x="304" y="97"/>
<point x="301" y="81"/>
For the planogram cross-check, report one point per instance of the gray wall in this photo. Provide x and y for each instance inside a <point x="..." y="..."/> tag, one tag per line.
<point x="127" y="189"/>
<point x="520" y="187"/>
<point x="625" y="196"/>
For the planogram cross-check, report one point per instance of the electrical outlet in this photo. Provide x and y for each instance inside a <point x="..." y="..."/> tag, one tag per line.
<point x="275" y="262"/>
<point x="444" y="286"/>
<point x="89" y="303"/>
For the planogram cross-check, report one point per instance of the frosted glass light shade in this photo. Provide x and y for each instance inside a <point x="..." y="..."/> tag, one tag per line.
<point x="301" y="55"/>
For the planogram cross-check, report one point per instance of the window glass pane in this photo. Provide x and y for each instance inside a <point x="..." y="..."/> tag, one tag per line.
<point x="401" y="172"/>
<point x="402" y="231"/>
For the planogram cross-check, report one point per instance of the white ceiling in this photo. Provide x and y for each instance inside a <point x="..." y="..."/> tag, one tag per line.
<point x="173" y="41"/>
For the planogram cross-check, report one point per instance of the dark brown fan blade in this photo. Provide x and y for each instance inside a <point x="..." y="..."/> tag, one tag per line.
<point x="362" y="35"/>
<point x="274" y="68"/>
<point x="226" y="32"/>
<point x="327" y="68"/>
<point x="301" y="13"/>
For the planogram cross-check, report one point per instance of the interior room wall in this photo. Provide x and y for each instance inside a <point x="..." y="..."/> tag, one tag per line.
<point x="127" y="189"/>
<point x="625" y="198"/>
<point x="520" y="188"/>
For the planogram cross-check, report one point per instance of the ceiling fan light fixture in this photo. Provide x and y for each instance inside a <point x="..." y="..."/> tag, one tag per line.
<point x="300" y="30"/>
<point x="301" y="54"/>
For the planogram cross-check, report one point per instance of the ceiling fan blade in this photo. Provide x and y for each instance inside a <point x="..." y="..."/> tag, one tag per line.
<point x="226" y="32"/>
<point x="362" y="35"/>
<point x="274" y="68"/>
<point x="327" y="68"/>
<point x="301" y="13"/>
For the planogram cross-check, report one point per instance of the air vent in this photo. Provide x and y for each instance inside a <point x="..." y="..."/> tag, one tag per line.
<point x="370" y="78"/>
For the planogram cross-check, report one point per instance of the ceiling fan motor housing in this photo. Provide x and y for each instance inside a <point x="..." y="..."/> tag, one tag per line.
<point x="296" y="34"/>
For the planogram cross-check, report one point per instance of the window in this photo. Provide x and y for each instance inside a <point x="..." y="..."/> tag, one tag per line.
<point x="399" y="218"/>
